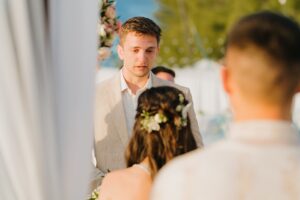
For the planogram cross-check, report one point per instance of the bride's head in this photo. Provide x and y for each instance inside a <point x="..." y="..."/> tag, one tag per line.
<point x="162" y="128"/>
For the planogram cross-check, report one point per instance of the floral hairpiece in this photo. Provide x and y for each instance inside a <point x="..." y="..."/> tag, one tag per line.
<point x="152" y="122"/>
<point x="184" y="111"/>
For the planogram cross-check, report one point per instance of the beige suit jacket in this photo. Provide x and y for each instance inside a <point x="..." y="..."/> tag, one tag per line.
<point x="111" y="135"/>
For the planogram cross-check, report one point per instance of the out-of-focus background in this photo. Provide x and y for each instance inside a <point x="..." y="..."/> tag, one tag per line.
<point x="193" y="37"/>
<point x="47" y="71"/>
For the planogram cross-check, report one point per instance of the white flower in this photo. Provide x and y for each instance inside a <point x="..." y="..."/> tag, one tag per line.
<point x="181" y="98"/>
<point x="185" y="110"/>
<point x="179" y="107"/>
<point x="159" y="118"/>
<point x="101" y="29"/>
<point x="153" y="125"/>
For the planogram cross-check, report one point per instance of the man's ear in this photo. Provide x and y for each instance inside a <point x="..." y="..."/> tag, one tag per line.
<point x="120" y="51"/>
<point x="225" y="77"/>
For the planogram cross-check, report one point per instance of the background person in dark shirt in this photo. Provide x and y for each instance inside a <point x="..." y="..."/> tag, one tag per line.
<point x="164" y="73"/>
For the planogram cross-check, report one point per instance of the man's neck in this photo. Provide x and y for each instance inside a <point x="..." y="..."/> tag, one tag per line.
<point x="262" y="112"/>
<point x="135" y="83"/>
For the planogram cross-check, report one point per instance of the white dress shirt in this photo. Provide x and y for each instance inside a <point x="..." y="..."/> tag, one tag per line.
<point x="259" y="160"/>
<point x="130" y="100"/>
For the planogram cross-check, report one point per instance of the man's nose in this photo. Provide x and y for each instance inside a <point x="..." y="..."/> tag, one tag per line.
<point x="142" y="56"/>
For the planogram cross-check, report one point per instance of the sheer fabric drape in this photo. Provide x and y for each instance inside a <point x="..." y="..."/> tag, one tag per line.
<point x="46" y="98"/>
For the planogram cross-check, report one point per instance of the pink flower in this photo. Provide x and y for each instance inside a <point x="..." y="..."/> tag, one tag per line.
<point x="103" y="53"/>
<point x="107" y="26"/>
<point x="110" y="12"/>
<point x="109" y="29"/>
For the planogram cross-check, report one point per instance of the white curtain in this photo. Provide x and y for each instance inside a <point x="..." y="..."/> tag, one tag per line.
<point x="46" y="98"/>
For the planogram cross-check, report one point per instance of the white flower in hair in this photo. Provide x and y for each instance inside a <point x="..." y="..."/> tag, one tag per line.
<point x="159" y="118"/>
<point x="180" y="106"/>
<point x="185" y="110"/>
<point x="151" y="123"/>
<point x="184" y="113"/>
<point x="181" y="98"/>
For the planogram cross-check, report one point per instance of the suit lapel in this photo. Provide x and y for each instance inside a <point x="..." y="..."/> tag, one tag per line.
<point x="118" y="114"/>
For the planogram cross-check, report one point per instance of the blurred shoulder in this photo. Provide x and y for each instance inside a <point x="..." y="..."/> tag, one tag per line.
<point x="197" y="160"/>
<point x="183" y="162"/>
<point x="171" y="180"/>
<point x="130" y="183"/>
<point x="114" y="180"/>
<point x="111" y="178"/>
<point x="189" y="173"/>
<point x="108" y="82"/>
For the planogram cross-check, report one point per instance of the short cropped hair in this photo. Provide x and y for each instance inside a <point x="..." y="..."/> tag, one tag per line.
<point x="158" y="69"/>
<point x="277" y="37"/>
<point x="140" y="26"/>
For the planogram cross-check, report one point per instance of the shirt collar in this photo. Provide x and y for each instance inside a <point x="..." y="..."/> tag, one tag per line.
<point x="124" y="85"/>
<point x="264" y="132"/>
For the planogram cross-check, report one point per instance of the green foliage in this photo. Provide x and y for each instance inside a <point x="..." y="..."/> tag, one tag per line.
<point x="193" y="29"/>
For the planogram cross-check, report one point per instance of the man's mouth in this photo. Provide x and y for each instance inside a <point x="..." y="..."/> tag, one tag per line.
<point x="142" y="66"/>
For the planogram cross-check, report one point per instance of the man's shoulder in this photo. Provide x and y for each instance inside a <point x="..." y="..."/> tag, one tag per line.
<point x="171" y="179"/>
<point x="181" y="164"/>
<point x="198" y="157"/>
<point x="107" y="82"/>
<point x="186" y="160"/>
<point x="194" y="168"/>
<point x="161" y="82"/>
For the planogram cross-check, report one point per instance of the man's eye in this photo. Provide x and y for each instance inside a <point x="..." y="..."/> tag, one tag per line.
<point x="135" y="50"/>
<point x="149" y="51"/>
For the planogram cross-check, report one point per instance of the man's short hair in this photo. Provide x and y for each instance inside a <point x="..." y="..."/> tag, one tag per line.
<point x="276" y="38"/>
<point x="140" y="26"/>
<point x="158" y="69"/>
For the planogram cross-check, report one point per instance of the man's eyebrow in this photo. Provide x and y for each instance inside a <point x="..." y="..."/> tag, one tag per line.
<point x="137" y="47"/>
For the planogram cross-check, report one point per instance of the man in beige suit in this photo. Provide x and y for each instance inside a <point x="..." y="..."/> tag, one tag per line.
<point x="116" y="98"/>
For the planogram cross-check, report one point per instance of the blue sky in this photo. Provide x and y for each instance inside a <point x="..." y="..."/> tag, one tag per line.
<point x="131" y="8"/>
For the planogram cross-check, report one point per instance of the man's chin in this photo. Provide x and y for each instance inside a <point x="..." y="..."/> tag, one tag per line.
<point x="142" y="74"/>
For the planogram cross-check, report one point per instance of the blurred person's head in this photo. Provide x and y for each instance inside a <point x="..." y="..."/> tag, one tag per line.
<point x="162" y="128"/>
<point x="262" y="66"/>
<point x="139" y="46"/>
<point x="164" y="73"/>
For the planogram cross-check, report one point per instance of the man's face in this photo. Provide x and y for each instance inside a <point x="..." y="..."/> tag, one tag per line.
<point x="165" y="76"/>
<point x="138" y="53"/>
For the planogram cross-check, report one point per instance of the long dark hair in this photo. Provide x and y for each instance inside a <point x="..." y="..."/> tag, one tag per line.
<point x="170" y="140"/>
